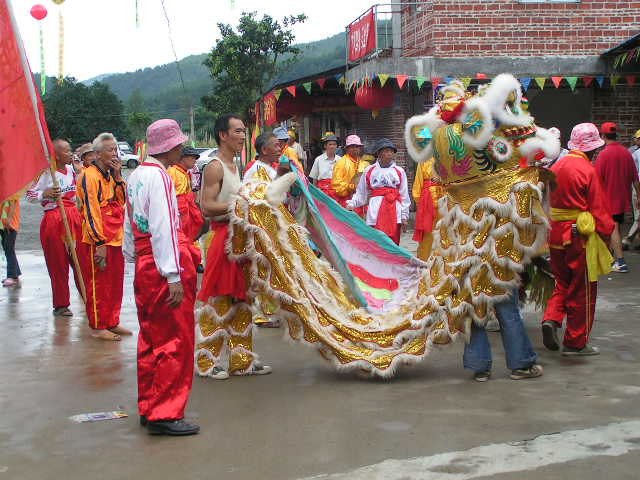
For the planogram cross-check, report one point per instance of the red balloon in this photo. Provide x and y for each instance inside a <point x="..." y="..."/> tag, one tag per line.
<point x="38" y="12"/>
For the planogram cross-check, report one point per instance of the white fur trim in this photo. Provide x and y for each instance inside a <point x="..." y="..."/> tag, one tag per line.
<point x="478" y="105"/>
<point x="496" y="97"/>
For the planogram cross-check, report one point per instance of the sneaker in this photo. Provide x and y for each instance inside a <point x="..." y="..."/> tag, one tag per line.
<point x="620" y="267"/>
<point x="257" y="369"/>
<point x="62" y="312"/>
<point x="482" y="376"/>
<point x="522" y="373"/>
<point x="550" y="335"/>
<point x="219" y="373"/>
<point x="586" y="351"/>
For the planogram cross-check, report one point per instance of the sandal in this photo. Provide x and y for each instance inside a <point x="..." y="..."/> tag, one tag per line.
<point x="62" y="312"/>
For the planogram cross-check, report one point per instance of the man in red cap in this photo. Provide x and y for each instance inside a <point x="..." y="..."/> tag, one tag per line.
<point x="618" y="173"/>
<point x="579" y="220"/>
<point x="164" y="285"/>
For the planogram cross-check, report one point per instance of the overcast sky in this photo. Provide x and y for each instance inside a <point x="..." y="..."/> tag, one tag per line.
<point x="101" y="35"/>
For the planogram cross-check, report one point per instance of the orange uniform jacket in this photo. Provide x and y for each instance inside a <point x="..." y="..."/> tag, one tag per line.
<point x="97" y="191"/>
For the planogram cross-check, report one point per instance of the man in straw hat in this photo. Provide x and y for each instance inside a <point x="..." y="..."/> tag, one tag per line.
<point x="383" y="188"/>
<point x="322" y="171"/>
<point x="165" y="285"/>
<point x="348" y="169"/>
<point x="580" y="219"/>
<point x="102" y="197"/>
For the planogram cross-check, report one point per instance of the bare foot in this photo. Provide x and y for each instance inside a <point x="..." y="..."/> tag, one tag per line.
<point x="121" y="330"/>
<point x="106" y="335"/>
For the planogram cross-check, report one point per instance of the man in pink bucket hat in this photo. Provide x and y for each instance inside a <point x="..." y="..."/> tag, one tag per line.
<point x="347" y="170"/>
<point x="165" y="285"/>
<point x="580" y="225"/>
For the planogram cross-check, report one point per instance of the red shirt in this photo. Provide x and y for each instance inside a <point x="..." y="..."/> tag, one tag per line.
<point x="578" y="188"/>
<point x="617" y="171"/>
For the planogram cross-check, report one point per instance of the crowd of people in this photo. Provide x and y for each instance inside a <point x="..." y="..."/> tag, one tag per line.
<point x="155" y="219"/>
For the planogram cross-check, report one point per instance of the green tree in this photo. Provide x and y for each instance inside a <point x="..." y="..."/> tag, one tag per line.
<point x="243" y="62"/>
<point x="135" y="103"/>
<point x="79" y="113"/>
<point x="138" y="123"/>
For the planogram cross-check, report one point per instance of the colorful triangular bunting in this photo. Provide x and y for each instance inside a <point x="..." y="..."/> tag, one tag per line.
<point x="383" y="77"/>
<point x="614" y="80"/>
<point x="525" y="82"/>
<point x="435" y="81"/>
<point x="466" y="81"/>
<point x="420" y="81"/>
<point x="588" y="80"/>
<point x="307" y="87"/>
<point x="277" y="93"/>
<point x="556" y="81"/>
<point x="401" y="79"/>
<point x="541" y="81"/>
<point x="631" y="80"/>
<point x="292" y="90"/>
<point x="572" y="81"/>
<point x="321" y="82"/>
<point x="600" y="80"/>
<point x="481" y="75"/>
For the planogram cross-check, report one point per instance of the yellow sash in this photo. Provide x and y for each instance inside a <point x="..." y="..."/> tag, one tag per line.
<point x="599" y="257"/>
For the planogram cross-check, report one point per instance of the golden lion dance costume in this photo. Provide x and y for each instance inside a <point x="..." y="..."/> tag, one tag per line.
<point x="490" y="224"/>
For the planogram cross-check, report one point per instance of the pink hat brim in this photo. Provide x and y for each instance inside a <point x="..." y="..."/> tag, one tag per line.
<point x="586" y="147"/>
<point x="167" y="145"/>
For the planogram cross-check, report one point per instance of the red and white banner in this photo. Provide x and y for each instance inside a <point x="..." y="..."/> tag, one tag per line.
<point x="25" y="137"/>
<point x="362" y="36"/>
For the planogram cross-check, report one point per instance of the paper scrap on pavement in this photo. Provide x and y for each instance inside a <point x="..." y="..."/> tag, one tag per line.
<point x="96" y="417"/>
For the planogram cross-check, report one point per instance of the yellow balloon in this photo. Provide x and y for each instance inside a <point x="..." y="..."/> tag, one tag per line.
<point x="58" y="2"/>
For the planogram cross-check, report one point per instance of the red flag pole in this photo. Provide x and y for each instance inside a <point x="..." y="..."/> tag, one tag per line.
<point x="47" y="146"/>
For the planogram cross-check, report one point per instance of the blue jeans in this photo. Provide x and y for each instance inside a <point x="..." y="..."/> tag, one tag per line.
<point x="517" y="346"/>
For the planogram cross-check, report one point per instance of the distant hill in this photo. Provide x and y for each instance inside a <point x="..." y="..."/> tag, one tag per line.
<point x="163" y="94"/>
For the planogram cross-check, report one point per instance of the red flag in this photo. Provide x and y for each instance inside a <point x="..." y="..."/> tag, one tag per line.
<point x="401" y="79"/>
<point x="631" y="80"/>
<point x="587" y="80"/>
<point x="481" y="76"/>
<point x="292" y="90"/>
<point x="25" y="137"/>
<point x="321" y="82"/>
<point x="435" y="81"/>
<point x="556" y="81"/>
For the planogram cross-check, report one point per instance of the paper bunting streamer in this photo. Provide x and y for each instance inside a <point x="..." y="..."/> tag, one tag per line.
<point x="277" y="93"/>
<point x="466" y="81"/>
<point x="541" y="81"/>
<point x="43" y="74"/>
<point x="600" y="81"/>
<point x="61" y="46"/>
<point x="435" y="81"/>
<point x="481" y="76"/>
<point x="556" y="81"/>
<point x="572" y="81"/>
<point x="321" y="82"/>
<point x="401" y="79"/>
<point x="614" y="80"/>
<point x="307" y="87"/>
<point x="587" y="81"/>
<point x="448" y="80"/>
<point x="525" y="82"/>
<point x="420" y="81"/>
<point x="631" y="80"/>
<point x="137" y="13"/>
<point x="383" y="77"/>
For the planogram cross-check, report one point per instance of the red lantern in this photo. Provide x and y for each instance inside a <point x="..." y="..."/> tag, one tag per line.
<point x="373" y="97"/>
<point x="38" y="12"/>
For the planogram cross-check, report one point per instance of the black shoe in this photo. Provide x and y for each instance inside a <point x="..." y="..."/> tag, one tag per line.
<point x="200" y="268"/>
<point x="172" y="427"/>
<point x="550" y="335"/>
<point x="143" y="421"/>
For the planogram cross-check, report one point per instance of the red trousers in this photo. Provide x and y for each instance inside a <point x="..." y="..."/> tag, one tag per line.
<point x="166" y="339"/>
<point x="573" y="296"/>
<point x="56" y="256"/>
<point x="104" y="287"/>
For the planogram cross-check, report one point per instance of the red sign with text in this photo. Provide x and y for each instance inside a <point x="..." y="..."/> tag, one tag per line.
<point x="362" y="36"/>
<point x="270" y="109"/>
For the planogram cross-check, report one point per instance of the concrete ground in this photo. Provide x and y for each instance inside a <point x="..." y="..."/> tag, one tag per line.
<point x="306" y="420"/>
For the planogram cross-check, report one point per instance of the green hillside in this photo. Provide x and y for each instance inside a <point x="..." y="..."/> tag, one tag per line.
<point x="163" y="94"/>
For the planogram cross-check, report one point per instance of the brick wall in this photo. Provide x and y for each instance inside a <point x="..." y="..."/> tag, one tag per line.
<point x="618" y="105"/>
<point x="474" y="28"/>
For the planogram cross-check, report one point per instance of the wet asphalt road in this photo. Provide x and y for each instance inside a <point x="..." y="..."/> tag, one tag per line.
<point x="304" y="419"/>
